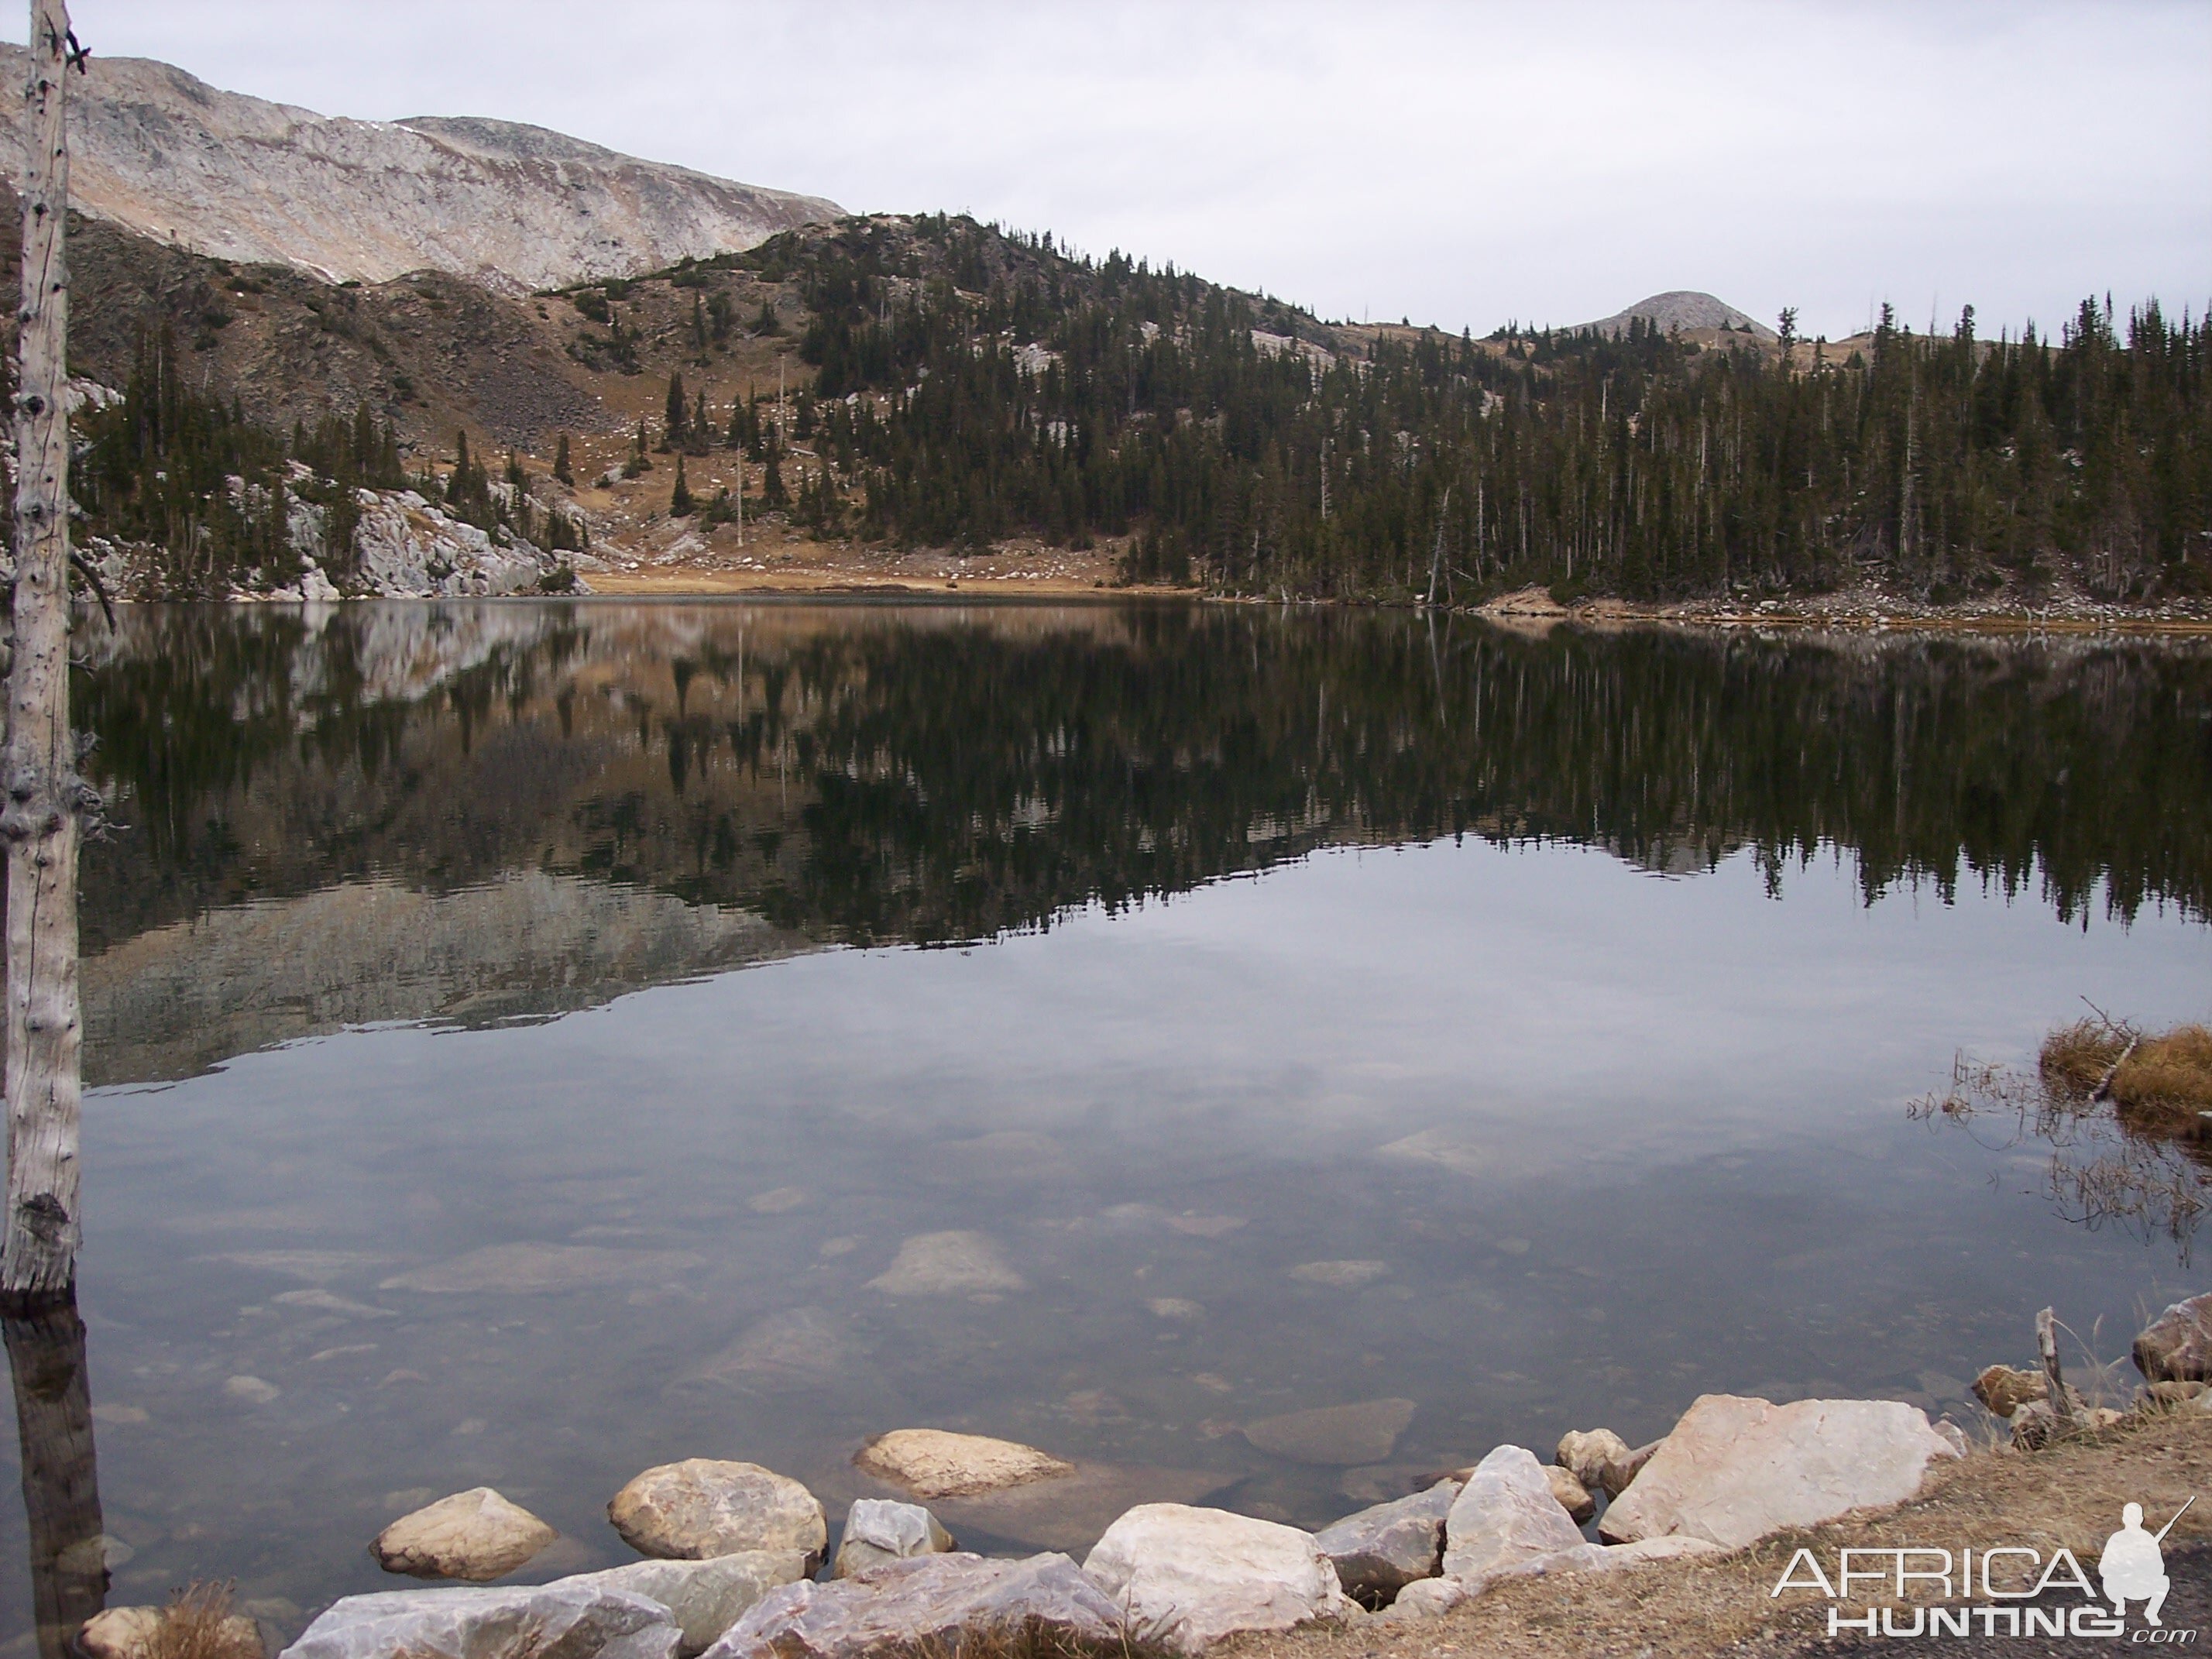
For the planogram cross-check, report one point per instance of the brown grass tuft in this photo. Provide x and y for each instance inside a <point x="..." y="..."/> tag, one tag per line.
<point x="1032" y="1639"/>
<point x="2075" y="1058"/>
<point x="2167" y="1081"/>
<point x="198" y="1624"/>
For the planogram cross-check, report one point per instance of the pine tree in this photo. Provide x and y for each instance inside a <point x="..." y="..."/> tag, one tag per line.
<point x="679" y="416"/>
<point x="679" y="500"/>
<point x="561" y="463"/>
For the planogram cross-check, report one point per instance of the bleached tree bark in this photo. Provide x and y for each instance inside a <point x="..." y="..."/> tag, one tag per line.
<point x="45" y="798"/>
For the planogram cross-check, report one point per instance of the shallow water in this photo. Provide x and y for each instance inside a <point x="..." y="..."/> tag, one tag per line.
<point x="516" y="1057"/>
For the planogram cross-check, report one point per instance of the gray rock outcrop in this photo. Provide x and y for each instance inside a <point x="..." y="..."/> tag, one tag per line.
<point x="879" y="1530"/>
<point x="705" y="1597"/>
<point x="926" y="1600"/>
<point x="1379" y="1550"/>
<point x="476" y="1535"/>
<point x="517" y="208"/>
<point x="1504" y="1516"/>
<point x="566" y="1620"/>
<point x="1737" y="1469"/>
<point x="2177" y="1346"/>
<point x="705" y="1507"/>
<point x="1196" y="1576"/>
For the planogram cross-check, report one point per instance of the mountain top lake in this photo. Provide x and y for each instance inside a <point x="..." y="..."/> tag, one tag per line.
<point x="534" y="1042"/>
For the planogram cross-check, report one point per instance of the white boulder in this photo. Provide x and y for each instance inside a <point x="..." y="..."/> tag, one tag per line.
<point x="925" y="1602"/>
<point x="879" y="1529"/>
<point x="1196" y="1576"/>
<point x="543" y="1621"/>
<point x="1735" y="1470"/>
<point x="705" y="1597"/>
<point x="1504" y="1516"/>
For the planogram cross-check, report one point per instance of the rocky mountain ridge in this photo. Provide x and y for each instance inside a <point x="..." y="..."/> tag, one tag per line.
<point x="1682" y="308"/>
<point x="515" y="207"/>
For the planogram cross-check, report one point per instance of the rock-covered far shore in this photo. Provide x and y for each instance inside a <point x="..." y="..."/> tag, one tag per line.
<point x="737" y="1563"/>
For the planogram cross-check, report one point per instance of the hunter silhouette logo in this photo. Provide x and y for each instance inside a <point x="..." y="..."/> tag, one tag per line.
<point x="1997" y="1589"/>
<point x="2133" y="1566"/>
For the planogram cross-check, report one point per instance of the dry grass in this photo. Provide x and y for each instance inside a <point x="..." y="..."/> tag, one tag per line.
<point x="2160" y="1083"/>
<point x="2123" y="1112"/>
<point x="2070" y="1495"/>
<point x="198" y="1624"/>
<point x="1031" y="1639"/>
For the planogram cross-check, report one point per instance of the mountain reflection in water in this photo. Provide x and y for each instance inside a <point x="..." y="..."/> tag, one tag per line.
<point x="478" y="811"/>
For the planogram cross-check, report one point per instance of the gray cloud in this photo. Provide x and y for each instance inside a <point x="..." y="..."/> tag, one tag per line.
<point x="1455" y="163"/>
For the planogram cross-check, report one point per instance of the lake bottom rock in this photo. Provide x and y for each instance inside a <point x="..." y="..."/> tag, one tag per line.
<point x="926" y="1598"/>
<point x="476" y="1534"/>
<point x="563" y="1620"/>
<point x="1195" y="1576"/>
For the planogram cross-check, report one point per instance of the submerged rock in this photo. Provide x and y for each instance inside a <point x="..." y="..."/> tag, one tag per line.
<point x="1365" y="1432"/>
<point x="1504" y="1516"/>
<point x="2177" y="1346"/>
<point x="937" y="1463"/>
<point x="1196" y="1576"/>
<point x="1737" y="1469"/>
<point x="565" y="1620"/>
<point x="476" y="1534"/>
<point x="539" y="1269"/>
<point x="1380" y="1551"/>
<point x="948" y="1264"/>
<point x="704" y="1507"/>
<point x="704" y="1597"/>
<point x="1339" y="1275"/>
<point x="878" y="1530"/>
<point x="927" y="1600"/>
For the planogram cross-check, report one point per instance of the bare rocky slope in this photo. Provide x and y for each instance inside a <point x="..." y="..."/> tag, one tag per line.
<point x="515" y="207"/>
<point x="1681" y="309"/>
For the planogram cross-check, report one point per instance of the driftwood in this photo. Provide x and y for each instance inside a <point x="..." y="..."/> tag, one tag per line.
<point x="2046" y="1344"/>
<point x="61" y="1476"/>
<point x="2105" y="1084"/>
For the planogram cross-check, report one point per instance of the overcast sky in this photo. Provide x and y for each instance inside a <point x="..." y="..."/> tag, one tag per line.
<point x="1460" y="164"/>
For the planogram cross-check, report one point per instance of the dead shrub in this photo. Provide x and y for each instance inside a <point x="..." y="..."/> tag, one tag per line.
<point x="198" y="1624"/>
<point x="2075" y="1058"/>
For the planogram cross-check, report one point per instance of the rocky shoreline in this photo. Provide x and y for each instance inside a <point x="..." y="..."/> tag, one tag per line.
<point x="733" y="1554"/>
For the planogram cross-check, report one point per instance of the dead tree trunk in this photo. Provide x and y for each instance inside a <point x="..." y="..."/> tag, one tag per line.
<point x="39" y="818"/>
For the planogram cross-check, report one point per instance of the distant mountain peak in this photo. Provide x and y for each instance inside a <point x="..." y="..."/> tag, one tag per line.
<point x="517" y="208"/>
<point x="1684" y="308"/>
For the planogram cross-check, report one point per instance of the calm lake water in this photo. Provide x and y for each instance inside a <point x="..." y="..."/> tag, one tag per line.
<point x="536" y="1041"/>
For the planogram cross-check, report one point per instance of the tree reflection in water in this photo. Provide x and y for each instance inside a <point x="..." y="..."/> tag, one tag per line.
<point x="61" y="1475"/>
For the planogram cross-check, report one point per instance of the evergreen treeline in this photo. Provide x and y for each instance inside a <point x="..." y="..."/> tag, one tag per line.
<point x="1007" y="389"/>
<point x="175" y="466"/>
